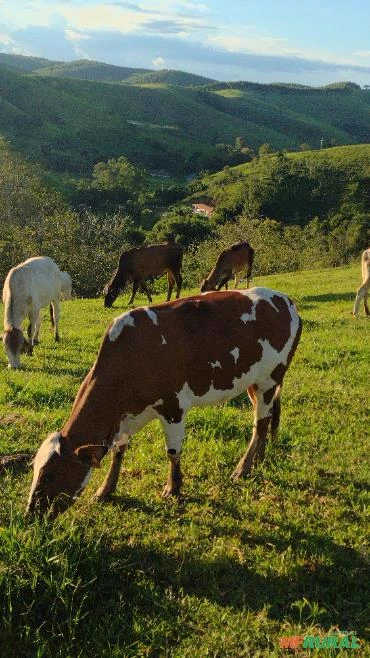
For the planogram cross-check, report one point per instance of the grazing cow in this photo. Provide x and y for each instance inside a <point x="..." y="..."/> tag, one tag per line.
<point x="139" y="264"/>
<point x="231" y="261"/>
<point x="159" y="362"/>
<point x="363" y="291"/>
<point x="29" y="287"/>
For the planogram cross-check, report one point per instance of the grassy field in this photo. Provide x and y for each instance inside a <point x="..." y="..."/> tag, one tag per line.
<point x="230" y="569"/>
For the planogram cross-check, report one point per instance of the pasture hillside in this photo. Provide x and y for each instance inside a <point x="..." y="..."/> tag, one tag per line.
<point x="85" y="69"/>
<point x="69" y="124"/>
<point x="232" y="568"/>
<point x="292" y="187"/>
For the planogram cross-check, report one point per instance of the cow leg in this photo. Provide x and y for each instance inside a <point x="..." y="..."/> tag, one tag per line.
<point x="171" y="283"/>
<point x="135" y="286"/>
<point x="224" y="282"/>
<point x="174" y="433"/>
<point x="262" y="417"/>
<point x="37" y="329"/>
<point x="178" y="279"/>
<point x="237" y="279"/>
<point x="147" y="291"/>
<point x="276" y="410"/>
<point x="367" y="312"/>
<point x="361" y="294"/>
<point x="249" y="274"/>
<point x="108" y="487"/>
<point x="33" y="316"/>
<point x="56" y="314"/>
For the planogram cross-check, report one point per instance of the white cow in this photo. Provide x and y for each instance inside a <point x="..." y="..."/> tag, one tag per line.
<point x="28" y="288"/>
<point x="66" y="286"/>
<point x="363" y="291"/>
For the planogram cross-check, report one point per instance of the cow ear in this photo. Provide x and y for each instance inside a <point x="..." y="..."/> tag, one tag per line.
<point x="91" y="454"/>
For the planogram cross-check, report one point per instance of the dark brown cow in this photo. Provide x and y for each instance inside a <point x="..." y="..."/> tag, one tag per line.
<point x="158" y="363"/>
<point x="231" y="261"/>
<point x="139" y="264"/>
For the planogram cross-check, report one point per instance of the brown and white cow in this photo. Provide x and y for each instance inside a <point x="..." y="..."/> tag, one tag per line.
<point x="142" y="263"/>
<point x="363" y="290"/>
<point x="231" y="262"/>
<point x="159" y="362"/>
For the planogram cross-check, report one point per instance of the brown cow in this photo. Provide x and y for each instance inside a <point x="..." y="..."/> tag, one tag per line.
<point x="231" y="261"/>
<point x="363" y="291"/>
<point x="142" y="263"/>
<point x="158" y="363"/>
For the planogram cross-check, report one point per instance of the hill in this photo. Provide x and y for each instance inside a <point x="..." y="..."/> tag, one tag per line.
<point x="85" y="69"/>
<point x="291" y="187"/>
<point x="160" y="122"/>
<point x="25" y="63"/>
<point x="100" y="72"/>
<point x="170" y="77"/>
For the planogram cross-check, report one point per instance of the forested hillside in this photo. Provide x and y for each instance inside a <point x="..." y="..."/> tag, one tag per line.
<point x="160" y="122"/>
<point x="292" y="187"/>
<point x="85" y="69"/>
<point x="310" y="216"/>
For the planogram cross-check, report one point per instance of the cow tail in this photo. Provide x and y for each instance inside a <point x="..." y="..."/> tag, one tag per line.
<point x="8" y="310"/>
<point x="250" y="263"/>
<point x="52" y="319"/>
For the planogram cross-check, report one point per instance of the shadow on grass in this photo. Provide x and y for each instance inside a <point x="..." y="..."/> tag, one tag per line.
<point x="132" y="596"/>
<point x="331" y="297"/>
<point x="336" y="582"/>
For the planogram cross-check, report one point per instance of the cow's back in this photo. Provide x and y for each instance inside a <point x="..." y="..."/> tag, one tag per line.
<point x="151" y="260"/>
<point x="234" y="258"/>
<point x="198" y="350"/>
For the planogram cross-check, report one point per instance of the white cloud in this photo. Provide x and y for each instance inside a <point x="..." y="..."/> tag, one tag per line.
<point x="127" y="20"/>
<point x="158" y="62"/>
<point x="6" y="39"/>
<point x="200" y="7"/>
<point x="247" y="44"/>
<point x="71" y="35"/>
<point x="362" y="53"/>
<point x="102" y="17"/>
<point x="250" y="44"/>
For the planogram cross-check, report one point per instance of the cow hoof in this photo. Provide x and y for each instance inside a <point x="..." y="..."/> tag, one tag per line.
<point x="236" y="476"/>
<point x="239" y="475"/>
<point x="102" y="496"/>
<point x="169" y="492"/>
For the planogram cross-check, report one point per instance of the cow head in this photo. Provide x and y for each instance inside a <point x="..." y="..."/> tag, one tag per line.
<point x="61" y="473"/>
<point x="14" y="344"/>
<point x="206" y="286"/>
<point x="111" y="292"/>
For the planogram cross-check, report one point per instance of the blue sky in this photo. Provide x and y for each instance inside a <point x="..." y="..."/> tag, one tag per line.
<point x="308" y="41"/>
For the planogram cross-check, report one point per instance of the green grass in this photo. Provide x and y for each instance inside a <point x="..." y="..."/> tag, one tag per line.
<point x="232" y="568"/>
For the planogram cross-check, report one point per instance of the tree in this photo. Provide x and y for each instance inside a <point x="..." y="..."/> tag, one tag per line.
<point x="265" y="149"/>
<point x="118" y="175"/>
<point x="239" y="143"/>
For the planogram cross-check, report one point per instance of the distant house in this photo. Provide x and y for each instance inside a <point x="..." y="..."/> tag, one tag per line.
<point x="202" y="209"/>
